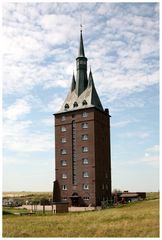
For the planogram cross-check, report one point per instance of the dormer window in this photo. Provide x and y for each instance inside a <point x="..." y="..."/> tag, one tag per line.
<point x="66" y="106"/>
<point x="75" y="104"/>
<point x="84" y="102"/>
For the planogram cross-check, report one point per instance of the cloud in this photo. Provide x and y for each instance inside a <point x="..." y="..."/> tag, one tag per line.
<point x="40" y="44"/>
<point x="151" y="155"/>
<point x="137" y="134"/>
<point x="16" y="110"/>
<point x="19" y="137"/>
<point x="21" y="131"/>
<point x="153" y="149"/>
<point x="53" y="105"/>
<point x="38" y="36"/>
<point x="121" y="124"/>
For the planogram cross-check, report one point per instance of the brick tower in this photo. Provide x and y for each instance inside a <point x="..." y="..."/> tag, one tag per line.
<point x="82" y="142"/>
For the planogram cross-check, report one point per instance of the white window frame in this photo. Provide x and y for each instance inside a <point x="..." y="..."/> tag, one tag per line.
<point x="85" y="137"/>
<point x="84" y="149"/>
<point x="64" y="187"/>
<point x="85" y="125"/>
<point x="63" y="140"/>
<point x="85" y="174"/>
<point x="63" y="118"/>
<point x="86" y="198"/>
<point x="63" y="129"/>
<point x="63" y="163"/>
<point x="86" y="186"/>
<point x="85" y="161"/>
<point x="64" y="198"/>
<point x="84" y="114"/>
<point x="63" y="151"/>
<point x="64" y="175"/>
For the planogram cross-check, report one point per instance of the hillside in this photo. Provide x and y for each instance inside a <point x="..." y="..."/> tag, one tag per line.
<point x="139" y="219"/>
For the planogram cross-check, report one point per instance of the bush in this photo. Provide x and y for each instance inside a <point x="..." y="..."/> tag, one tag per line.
<point x="44" y="201"/>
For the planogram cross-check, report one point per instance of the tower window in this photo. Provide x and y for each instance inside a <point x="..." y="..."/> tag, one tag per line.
<point x="64" y="198"/>
<point x="84" y="114"/>
<point x="84" y="149"/>
<point x="63" y="151"/>
<point x="75" y="104"/>
<point x="84" y="125"/>
<point x="84" y="102"/>
<point x="85" y="186"/>
<point x="63" y="118"/>
<point x="64" y="187"/>
<point x="63" y="129"/>
<point x="64" y="175"/>
<point x="86" y="198"/>
<point x="85" y="137"/>
<point x="63" y="163"/>
<point x="85" y="160"/>
<point x="63" y="140"/>
<point x="85" y="174"/>
<point x="66" y="106"/>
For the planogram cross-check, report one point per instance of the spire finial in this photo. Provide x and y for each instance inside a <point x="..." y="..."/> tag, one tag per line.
<point x="81" y="46"/>
<point x="81" y="26"/>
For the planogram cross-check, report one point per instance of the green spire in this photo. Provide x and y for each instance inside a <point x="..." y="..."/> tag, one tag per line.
<point x="73" y="84"/>
<point x="81" y="66"/>
<point x="81" y="46"/>
<point x="90" y="80"/>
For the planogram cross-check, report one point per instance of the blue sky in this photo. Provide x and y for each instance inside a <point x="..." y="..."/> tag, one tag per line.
<point x="41" y="43"/>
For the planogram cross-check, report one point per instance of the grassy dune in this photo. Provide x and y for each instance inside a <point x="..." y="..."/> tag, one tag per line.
<point x="135" y="220"/>
<point x="26" y="195"/>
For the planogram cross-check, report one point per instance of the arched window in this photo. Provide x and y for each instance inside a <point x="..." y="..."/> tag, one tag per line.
<point x="66" y="106"/>
<point x="84" y="102"/>
<point x="63" y="151"/>
<point x="84" y="114"/>
<point x="85" y="174"/>
<point x="75" y="104"/>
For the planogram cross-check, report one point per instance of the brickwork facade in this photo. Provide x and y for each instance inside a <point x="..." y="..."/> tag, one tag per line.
<point x="85" y="180"/>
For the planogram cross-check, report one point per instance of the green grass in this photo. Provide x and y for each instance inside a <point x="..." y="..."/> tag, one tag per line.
<point x="10" y="210"/>
<point x="139" y="219"/>
<point x="152" y="195"/>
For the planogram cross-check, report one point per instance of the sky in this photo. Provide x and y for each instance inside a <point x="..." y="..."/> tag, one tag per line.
<point x="40" y="46"/>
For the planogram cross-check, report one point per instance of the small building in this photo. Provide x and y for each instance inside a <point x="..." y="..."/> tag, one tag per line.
<point x="60" y="207"/>
<point x="132" y="196"/>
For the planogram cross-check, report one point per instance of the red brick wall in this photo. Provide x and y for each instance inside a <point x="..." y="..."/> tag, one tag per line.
<point x="97" y="143"/>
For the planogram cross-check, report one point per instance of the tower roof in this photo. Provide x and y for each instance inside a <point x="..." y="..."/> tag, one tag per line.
<point x="81" y="46"/>
<point x="90" y="80"/>
<point x="83" y="93"/>
<point x="73" y="84"/>
<point x="89" y="98"/>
